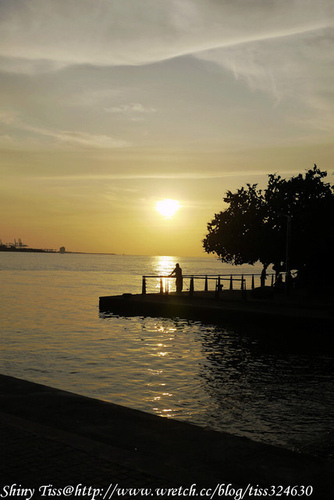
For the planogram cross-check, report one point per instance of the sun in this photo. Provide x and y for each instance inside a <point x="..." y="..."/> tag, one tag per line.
<point x="167" y="207"/>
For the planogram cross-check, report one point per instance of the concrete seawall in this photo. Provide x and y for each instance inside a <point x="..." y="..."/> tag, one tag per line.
<point x="174" y="452"/>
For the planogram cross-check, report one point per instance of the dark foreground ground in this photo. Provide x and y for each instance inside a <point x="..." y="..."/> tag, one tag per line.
<point x="63" y="445"/>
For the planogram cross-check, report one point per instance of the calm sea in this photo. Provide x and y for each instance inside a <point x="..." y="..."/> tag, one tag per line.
<point x="230" y="380"/>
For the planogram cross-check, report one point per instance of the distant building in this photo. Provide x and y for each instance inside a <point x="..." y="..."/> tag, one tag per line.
<point x="62" y="250"/>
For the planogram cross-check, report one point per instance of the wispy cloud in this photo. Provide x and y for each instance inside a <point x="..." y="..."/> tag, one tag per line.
<point x="130" y="108"/>
<point x="156" y="176"/>
<point x="282" y="48"/>
<point x="83" y="139"/>
<point x="87" y="73"/>
<point x="68" y="138"/>
<point x="129" y="32"/>
<point x="296" y="71"/>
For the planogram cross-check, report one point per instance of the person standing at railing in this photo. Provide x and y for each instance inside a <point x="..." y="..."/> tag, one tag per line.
<point x="177" y="272"/>
<point x="263" y="276"/>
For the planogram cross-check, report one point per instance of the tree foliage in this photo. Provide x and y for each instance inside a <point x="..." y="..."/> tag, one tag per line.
<point x="254" y="226"/>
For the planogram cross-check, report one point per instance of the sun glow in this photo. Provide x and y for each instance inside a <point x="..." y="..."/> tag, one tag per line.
<point x="167" y="207"/>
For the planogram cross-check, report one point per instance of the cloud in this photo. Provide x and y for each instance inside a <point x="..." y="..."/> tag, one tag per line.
<point x="83" y="139"/>
<point x="159" y="176"/>
<point x="272" y="64"/>
<point x="81" y="73"/>
<point x="69" y="138"/>
<point x="26" y="66"/>
<point x="296" y="71"/>
<point x="6" y="141"/>
<point x="130" y="108"/>
<point x="129" y="32"/>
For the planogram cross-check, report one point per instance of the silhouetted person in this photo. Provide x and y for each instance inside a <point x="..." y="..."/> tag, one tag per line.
<point x="263" y="277"/>
<point x="279" y="282"/>
<point x="178" y="275"/>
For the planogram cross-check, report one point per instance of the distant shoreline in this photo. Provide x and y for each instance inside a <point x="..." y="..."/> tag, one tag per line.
<point x="43" y="250"/>
<point x="38" y="250"/>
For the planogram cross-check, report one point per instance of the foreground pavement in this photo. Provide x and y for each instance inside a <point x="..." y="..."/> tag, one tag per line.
<point x="58" y="444"/>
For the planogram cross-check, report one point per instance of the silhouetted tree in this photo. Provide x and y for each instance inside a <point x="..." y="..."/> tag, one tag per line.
<point x="254" y="226"/>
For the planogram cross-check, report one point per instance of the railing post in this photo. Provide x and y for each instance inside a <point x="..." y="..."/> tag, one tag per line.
<point x="217" y="288"/>
<point x="243" y="288"/>
<point x="253" y="282"/>
<point x="143" y="287"/>
<point x="161" y="286"/>
<point x="191" y="287"/>
<point x="231" y="282"/>
<point x="206" y="284"/>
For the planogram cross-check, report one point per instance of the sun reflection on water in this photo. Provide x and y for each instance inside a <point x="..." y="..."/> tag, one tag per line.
<point x="164" y="265"/>
<point x="161" y="339"/>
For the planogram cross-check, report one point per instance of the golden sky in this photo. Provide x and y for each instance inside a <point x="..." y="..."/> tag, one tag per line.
<point x="108" y="106"/>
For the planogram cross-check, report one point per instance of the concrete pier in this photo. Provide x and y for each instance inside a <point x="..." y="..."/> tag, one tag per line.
<point x="53" y="437"/>
<point x="293" y="313"/>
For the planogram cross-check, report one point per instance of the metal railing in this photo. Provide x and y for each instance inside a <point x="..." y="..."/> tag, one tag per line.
<point x="242" y="281"/>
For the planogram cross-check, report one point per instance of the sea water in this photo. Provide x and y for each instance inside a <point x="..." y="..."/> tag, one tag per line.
<point x="221" y="378"/>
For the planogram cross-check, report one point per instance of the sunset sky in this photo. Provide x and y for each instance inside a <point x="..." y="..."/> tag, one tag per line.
<point x="109" y="106"/>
